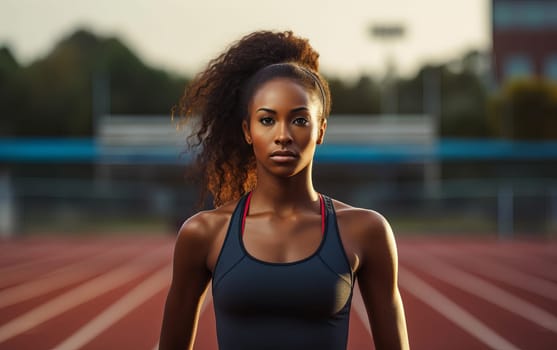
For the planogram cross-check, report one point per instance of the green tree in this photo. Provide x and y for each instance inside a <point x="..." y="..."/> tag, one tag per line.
<point x="136" y="88"/>
<point x="525" y="109"/>
<point x="53" y="95"/>
<point x="12" y="91"/>
<point x="463" y="108"/>
<point x="454" y="91"/>
<point x="360" y="97"/>
<point x="59" y="89"/>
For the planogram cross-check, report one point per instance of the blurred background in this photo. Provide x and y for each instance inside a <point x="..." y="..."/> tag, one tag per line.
<point x="444" y="120"/>
<point x="444" y="114"/>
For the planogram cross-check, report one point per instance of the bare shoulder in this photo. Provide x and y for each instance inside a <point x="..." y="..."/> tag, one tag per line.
<point x="205" y="225"/>
<point x="361" y="222"/>
<point x="366" y="233"/>
<point x="201" y="234"/>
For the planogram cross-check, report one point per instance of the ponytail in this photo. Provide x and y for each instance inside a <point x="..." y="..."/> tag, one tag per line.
<point x="225" y="163"/>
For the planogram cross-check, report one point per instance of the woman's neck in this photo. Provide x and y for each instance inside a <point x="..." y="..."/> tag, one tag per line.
<point x="285" y="194"/>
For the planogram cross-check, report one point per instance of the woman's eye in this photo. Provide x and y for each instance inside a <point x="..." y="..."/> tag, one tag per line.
<point x="301" y="121"/>
<point x="266" y="120"/>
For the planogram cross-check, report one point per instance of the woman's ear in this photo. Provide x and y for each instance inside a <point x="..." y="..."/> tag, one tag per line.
<point x="322" y="129"/>
<point x="245" y="129"/>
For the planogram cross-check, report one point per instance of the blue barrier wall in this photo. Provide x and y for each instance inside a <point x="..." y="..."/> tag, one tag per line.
<point x="58" y="150"/>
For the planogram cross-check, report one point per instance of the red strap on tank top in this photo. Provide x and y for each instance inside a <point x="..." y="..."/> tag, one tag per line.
<point x="246" y="207"/>
<point x="248" y="200"/>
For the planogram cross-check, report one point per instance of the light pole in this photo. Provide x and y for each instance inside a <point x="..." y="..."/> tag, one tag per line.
<point x="388" y="34"/>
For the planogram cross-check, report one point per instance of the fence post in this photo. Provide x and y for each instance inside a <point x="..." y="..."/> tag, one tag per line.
<point x="552" y="209"/>
<point x="505" y="211"/>
<point x="7" y="207"/>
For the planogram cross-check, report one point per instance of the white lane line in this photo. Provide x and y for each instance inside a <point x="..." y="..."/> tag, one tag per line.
<point x="447" y="308"/>
<point x="526" y="263"/>
<point x="485" y="290"/>
<point x="24" y="250"/>
<point x="31" y="268"/>
<point x="360" y="308"/>
<point x="532" y="263"/>
<point x="67" y="253"/>
<point x="534" y="267"/>
<point x="59" y="278"/>
<point x="137" y="296"/>
<point x="81" y="294"/>
<point x="509" y="276"/>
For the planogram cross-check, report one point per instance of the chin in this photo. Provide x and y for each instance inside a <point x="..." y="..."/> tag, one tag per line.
<point x="287" y="172"/>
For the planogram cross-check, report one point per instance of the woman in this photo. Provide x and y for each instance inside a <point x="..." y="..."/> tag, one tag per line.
<point x="282" y="258"/>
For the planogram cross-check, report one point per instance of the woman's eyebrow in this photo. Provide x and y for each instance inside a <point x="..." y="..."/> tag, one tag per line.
<point x="269" y="110"/>
<point x="264" y="109"/>
<point x="299" y="109"/>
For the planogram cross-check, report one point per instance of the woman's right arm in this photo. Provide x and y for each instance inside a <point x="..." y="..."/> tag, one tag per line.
<point x="190" y="278"/>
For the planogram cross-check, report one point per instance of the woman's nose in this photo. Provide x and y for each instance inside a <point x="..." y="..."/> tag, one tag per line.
<point x="283" y="136"/>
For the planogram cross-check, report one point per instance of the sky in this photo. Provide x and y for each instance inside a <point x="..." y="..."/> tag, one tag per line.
<point x="182" y="35"/>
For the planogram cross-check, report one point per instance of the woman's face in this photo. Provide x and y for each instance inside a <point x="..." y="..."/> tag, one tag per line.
<point x="284" y="126"/>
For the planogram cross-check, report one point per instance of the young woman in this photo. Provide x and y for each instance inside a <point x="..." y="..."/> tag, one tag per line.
<point x="282" y="258"/>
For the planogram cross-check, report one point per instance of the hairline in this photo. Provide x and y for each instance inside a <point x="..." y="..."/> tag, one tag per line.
<point x="314" y="93"/>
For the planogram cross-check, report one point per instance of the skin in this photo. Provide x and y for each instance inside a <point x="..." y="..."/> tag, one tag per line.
<point x="284" y="223"/>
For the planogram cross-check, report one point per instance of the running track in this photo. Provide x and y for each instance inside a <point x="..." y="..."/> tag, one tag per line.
<point x="108" y="293"/>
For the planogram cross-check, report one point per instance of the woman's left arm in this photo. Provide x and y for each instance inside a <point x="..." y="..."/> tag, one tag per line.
<point x="378" y="281"/>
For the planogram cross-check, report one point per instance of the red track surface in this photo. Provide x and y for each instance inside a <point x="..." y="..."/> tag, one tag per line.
<point x="108" y="293"/>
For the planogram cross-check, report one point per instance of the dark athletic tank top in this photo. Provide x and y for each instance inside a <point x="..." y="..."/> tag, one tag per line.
<point x="288" y="306"/>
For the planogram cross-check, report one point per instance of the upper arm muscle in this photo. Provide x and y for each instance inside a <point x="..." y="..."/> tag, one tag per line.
<point x="190" y="278"/>
<point x="378" y="281"/>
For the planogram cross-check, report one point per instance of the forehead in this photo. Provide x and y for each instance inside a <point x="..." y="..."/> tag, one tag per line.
<point x="283" y="91"/>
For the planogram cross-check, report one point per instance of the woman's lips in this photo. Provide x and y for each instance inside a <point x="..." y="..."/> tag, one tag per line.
<point x="283" y="156"/>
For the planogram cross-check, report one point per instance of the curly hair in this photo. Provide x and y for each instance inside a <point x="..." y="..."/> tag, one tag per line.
<point x="218" y="96"/>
